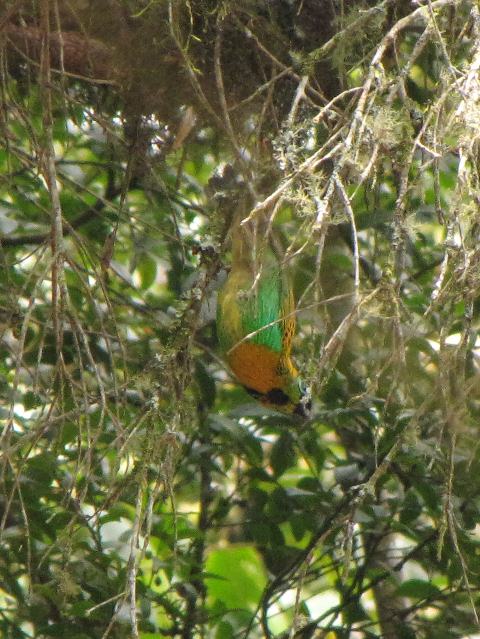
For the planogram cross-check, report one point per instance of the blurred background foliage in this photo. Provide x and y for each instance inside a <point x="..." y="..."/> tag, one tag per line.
<point x="143" y="493"/>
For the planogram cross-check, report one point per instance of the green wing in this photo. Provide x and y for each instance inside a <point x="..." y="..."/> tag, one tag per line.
<point x="243" y="310"/>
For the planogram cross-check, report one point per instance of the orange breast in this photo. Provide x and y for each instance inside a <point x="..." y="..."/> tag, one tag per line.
<point x="256" y="367"/>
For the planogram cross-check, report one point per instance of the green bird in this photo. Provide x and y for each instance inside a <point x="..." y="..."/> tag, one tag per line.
<point x="256" y="324"/>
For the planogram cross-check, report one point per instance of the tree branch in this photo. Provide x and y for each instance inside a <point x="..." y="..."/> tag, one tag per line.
<point x="68" y="227"/>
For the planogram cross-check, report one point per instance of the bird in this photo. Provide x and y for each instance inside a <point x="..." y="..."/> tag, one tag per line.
<point x="256" y="323"/>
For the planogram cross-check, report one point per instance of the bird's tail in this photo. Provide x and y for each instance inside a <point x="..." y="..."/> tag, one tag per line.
<point x="242" y="239"/>
<point x="249" y="241"/>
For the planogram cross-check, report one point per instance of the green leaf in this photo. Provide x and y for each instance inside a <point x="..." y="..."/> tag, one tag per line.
<point x="206" y="384"/>
<point x="259" y="532"/>
<point x="279" y="505"/>
<point x="411" y="508"/>
<point x="224" y="630"/>
<point x="147" y="269"/>
<point x="31" y="400"/>
<point x="418" y="589"/>
<point x="42" y="468"/>
<point x="79" y="608"/>
<point x="242" y="576"/>
<point x="299" y="527"/>
<point x="282" y="455"/>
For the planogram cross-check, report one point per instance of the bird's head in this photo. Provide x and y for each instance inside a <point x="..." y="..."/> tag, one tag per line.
<point x="294" y="398"/>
